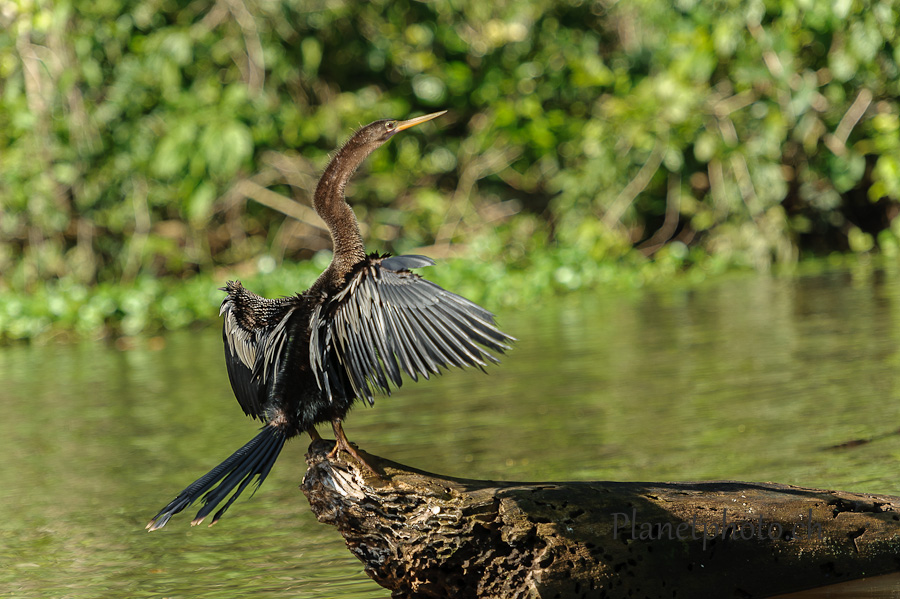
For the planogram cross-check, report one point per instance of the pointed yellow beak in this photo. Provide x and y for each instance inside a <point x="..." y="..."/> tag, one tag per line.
<point x="418" y="120"/>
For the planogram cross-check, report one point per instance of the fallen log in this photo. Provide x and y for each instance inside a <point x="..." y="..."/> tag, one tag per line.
<point x="424" y="535"/>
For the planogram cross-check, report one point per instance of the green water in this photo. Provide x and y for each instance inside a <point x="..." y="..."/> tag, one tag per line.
<point x="750" y="378"/>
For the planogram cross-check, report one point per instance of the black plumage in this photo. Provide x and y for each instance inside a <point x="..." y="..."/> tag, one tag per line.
<point x="299" y="361"/>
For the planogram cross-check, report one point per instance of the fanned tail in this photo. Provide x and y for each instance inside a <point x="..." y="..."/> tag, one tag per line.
<point x="252" y="461"/>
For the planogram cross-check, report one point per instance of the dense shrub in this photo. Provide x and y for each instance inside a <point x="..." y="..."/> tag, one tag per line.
<point x="146" y="143"/>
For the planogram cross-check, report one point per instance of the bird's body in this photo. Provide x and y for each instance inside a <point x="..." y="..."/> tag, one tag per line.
<point x="303" y="360"/>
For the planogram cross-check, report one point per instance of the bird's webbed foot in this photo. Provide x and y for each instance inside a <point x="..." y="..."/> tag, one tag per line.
<point x="342" y="444"/>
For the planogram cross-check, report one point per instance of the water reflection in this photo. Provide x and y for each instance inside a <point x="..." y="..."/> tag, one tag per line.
<point x="745" y="379"/>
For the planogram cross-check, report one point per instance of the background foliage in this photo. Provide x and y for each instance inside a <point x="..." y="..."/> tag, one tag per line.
<point x="151" y="149"/>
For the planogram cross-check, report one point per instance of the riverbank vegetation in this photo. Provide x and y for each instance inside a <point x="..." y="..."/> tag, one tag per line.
<point x="151" y="150"/>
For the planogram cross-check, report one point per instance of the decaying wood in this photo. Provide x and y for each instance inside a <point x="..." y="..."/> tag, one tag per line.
<point x="425" y="535"/>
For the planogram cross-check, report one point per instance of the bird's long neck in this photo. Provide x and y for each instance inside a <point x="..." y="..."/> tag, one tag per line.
<point x="331" y="205"/>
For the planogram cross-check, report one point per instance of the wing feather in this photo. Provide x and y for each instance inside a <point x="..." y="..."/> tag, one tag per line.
<point x="254" y="331"/>
<point x="414" y="342"/>
<point x="387" y="321"/>
<point x="412" y="362"/>
<point x="443" y="353"/>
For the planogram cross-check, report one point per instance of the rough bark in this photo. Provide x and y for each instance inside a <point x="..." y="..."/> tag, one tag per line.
<point x="425" y="535"/>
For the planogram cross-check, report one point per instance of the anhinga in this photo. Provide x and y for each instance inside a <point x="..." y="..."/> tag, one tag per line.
<point x="295" y="362"/>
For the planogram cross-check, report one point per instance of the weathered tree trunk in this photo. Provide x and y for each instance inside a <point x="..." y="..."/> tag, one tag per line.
<point x="424" y="535"/>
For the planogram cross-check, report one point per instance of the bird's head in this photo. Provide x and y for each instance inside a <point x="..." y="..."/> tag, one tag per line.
<point x="380" y="131"/>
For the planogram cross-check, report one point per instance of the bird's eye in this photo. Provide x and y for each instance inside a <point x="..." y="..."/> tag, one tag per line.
<point x="391" y="125"/>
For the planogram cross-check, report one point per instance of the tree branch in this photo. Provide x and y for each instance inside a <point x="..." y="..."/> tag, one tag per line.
<point x="423" y="535"/>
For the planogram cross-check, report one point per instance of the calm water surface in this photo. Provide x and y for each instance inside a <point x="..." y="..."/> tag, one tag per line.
<point x="749" y="378"/>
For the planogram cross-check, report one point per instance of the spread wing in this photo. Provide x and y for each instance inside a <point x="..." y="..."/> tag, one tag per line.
<point x="255" y="330"/>
<point x="387" y="319"/>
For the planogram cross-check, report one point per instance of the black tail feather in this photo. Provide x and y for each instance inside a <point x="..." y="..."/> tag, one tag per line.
<point x="251" y="462"/>
<point x="259" y="464"/>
